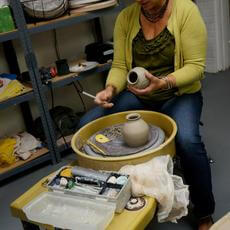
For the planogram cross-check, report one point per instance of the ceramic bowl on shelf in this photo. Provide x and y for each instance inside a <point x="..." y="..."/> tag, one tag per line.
<point x="82" y="66"/>
<point x="44" y="9"/>
<point x="79" y="3"/>
<point x="94" y="6"/>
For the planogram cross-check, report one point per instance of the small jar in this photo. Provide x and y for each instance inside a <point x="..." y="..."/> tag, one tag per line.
<point x="135" y="130"/>
<point x="136" y="78"/>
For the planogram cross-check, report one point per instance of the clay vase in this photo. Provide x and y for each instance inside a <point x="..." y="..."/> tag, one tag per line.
<point x="136" y="78"/>
<point x="135" y="130"/>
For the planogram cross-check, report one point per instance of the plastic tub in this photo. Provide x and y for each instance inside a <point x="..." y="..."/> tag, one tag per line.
<point x="115" y="163"/>
<point x="70" y="212"/>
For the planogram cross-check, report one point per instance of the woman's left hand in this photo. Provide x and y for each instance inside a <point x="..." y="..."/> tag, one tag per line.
<point x="154" y="84"/>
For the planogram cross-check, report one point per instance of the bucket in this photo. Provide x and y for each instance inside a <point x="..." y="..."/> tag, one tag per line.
<point x="163" y="121"/>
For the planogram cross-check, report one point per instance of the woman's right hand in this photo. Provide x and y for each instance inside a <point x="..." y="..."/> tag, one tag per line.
<point x="104" y="97"/>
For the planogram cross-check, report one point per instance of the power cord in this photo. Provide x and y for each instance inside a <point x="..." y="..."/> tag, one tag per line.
<point x="56" y="45"/>
<point x="79" y="89"/>
<point x="50" y="85"/>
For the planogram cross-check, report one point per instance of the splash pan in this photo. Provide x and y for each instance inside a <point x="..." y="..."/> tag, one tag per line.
<point x="160" y="120"/>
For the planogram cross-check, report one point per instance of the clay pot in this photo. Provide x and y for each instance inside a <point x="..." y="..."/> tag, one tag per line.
<point x="136" y="78"/>
<point x="135" y="130"/>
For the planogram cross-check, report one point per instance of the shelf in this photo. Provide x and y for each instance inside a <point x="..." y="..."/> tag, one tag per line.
<point x="36" y="158"/>
<point x="66" y="20"/>
<point x="6" y="36"/>
<point x="70" y="19"/>
<point x="60" y="81"/>
<point x="17" y="100"/>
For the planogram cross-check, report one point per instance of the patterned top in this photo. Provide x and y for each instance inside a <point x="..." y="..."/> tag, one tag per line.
<point x="157" y="56"/>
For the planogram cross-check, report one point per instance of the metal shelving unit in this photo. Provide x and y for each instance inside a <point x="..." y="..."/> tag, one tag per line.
<point x="43" y="154"/>
<point x="9" y="36"/>
<point x="23" y="33"/>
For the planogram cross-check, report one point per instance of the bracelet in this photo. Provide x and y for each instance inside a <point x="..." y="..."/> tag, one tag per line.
<point x="169" y="83"/>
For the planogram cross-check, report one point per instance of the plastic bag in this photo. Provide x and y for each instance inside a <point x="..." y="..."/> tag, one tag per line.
<point x="154" y="178"/>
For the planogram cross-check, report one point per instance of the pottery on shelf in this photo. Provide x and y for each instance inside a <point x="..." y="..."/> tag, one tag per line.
<point x="135" y="130"/>
<point x="136" y="78"/>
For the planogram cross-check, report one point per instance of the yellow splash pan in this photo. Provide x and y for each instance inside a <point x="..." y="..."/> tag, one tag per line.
<point x="115" y="163"/>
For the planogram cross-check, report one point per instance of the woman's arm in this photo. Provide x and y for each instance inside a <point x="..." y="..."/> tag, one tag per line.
<point x="117" y="74"/>
<point x="193" y="44"/>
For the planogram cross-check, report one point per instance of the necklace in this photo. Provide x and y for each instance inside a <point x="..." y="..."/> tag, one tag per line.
<point x="157" y="15"/>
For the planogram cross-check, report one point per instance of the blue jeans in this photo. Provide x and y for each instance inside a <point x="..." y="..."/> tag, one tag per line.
<point x="186" y="111"/>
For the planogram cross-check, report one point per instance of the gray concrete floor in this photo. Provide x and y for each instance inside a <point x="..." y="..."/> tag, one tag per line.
<point x="216" y="114"/>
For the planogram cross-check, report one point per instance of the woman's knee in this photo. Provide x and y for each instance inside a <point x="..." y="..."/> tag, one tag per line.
<point x="189" y="144"/>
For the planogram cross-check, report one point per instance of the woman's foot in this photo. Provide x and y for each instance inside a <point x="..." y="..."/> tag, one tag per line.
<point x="205" y="223"/>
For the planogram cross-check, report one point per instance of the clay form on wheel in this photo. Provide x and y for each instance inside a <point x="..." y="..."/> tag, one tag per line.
<point x="135" y="130"/>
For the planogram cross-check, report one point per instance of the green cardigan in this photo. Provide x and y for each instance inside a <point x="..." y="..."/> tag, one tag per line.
<point x="189" y="31"/>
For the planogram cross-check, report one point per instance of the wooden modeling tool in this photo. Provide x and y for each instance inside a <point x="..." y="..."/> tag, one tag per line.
<point x="88" y="94"/>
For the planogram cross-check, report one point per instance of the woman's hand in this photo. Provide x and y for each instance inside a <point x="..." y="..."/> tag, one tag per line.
<point x="104" y="97"/>
<point x="154" y="84"/>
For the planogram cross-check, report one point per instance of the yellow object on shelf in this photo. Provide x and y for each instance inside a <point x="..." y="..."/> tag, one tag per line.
<point x="13" y="89"/>
<point x="7" y="151"/>
<point x="115" y="163"/>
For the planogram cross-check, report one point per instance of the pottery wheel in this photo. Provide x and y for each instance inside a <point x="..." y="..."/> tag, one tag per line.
<point x="117" y="147"/>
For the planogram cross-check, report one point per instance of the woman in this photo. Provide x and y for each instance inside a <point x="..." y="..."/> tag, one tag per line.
<point x="168" y="38"/>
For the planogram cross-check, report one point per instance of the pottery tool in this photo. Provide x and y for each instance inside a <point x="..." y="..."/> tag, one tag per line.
<point x="78" y="171"/>
<point x="95" y="148"/>
<point x="91" y="96"/>
<point x="87" y="180"/>
<point x="88" y="94"/>
<point x="101" y="138"/>
<point x="66" y="173"/>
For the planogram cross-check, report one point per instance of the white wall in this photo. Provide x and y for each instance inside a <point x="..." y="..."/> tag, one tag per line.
<point x="72" y="41"/>
<point x="216" y="17"/>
